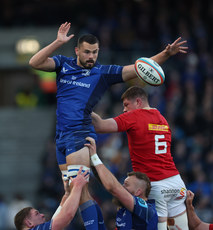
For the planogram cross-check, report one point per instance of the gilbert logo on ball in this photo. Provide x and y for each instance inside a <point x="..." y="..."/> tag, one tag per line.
<point x="149" y="71"/>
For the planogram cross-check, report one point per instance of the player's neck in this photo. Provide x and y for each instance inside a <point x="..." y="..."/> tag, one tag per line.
<point x="147" y="107"/>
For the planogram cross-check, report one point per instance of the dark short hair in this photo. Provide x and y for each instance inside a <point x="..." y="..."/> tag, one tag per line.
<point x="134" y="92"/>
<point x="89" y="38"/>
<point x="144" y="177"/>
<point x="20" y="216"/>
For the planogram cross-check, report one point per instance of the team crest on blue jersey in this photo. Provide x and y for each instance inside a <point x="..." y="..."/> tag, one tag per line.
<point x="141" y="202"/>
<point x="85" y="72"/>
<point x="64" y="70"/>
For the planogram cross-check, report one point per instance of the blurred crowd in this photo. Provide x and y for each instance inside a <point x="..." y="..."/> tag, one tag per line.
<point x="127" y="29"/>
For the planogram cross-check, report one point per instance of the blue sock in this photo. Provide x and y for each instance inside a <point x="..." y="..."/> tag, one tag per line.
<point x="92" y="216"/>
<point x="89" y="215"/>
<point x="101" y="225"/>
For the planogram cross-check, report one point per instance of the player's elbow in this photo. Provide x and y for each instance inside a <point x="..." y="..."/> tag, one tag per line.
<point x="32" y="63"/>
<point x="35" y="63"/>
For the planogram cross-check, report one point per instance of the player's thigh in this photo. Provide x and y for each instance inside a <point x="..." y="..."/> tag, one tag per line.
<point x="176" y="205"/>
<point x="63" y="167"/>
<point x="169" y="195"/>
<point x="70" y="147"/>
<point x="160" y="201"/>
<point x="80" y="157"/>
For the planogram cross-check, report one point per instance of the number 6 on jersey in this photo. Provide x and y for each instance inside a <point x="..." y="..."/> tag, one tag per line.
<point x="160" y="146"/>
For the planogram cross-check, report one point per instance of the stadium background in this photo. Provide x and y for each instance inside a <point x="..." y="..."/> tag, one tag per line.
<point x="127" y="30"/>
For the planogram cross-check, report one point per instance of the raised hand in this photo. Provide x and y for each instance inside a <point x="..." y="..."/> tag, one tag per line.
<point x="176" y="47"/>
<point x="63" y="31"/>
<point x="91" y="145"/>
<point x="66" y="186"/>
<point x="81" y="179"/>
<point x="189" y="197"/>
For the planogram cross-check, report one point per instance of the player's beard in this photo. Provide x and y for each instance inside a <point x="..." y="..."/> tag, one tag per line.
<point x="87" y="64"/>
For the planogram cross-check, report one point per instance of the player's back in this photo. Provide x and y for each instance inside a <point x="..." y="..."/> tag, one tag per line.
<point x="149" y="139"/>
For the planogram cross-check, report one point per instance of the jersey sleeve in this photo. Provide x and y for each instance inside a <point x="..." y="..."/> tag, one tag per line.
<point x="211" y="227"/>
<point x="112" y="74"/>
<point x="45" y="226"/>
<point x="143" y="210"/>
<point x="59" y="60"/>
<point x="125" y="121"/>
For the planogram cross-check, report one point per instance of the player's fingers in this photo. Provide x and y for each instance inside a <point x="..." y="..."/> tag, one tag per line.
<point x="80" y="170"/>
<point x="190" y="194"/>
<point x="177" y="40"/>
<point x="86" y="177"/>
<point x="85" y="173"/>
<point x="90" y="139"/>
<point x="71" y="36"/>
<point x="63" y="25"/>
<point x="67" y="26"/>
<point x="87" y="145"/>
<point x="184" y="47"/>
<point x="182" y="43"/>
<point x="183" y="51"/>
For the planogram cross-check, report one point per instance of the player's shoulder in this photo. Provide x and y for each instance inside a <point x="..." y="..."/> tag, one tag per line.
<point x="110" y="69"/>
<point x="63" y="58"/>
<point x="141" y="202"/>
<point x="151" y="111"/>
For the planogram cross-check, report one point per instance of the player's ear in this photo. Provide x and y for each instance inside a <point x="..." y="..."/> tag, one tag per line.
<point x="28" y="223"/>
<point x="138" y="192"/>
<point x="138" y="102"/>
<point x="76" y="51"/>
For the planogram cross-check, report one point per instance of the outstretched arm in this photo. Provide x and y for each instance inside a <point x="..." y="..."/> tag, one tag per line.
<point x="64" y="198"/>
<point x="71" y="204"/>
<point x="194" y="221"/>
<point x="41" y="60"/>
<point x="170" y="50"/>
<point x="108" y="180"/>
<point x="104" y="125"/>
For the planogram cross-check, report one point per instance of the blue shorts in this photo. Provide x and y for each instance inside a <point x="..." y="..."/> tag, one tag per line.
<point x="71" y="141"/>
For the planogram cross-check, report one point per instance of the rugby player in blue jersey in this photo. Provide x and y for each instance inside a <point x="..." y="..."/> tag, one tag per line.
<point x="136" y="211"/>
<point x="30" y="218"/>
<point x="81" y="82"/>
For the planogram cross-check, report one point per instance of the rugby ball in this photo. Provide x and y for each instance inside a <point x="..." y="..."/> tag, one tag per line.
<point x="149" y="71"/>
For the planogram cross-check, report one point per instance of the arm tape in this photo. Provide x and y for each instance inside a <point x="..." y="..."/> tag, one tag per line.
<point x="95" y="160"/>
<point x="56" y="212"/>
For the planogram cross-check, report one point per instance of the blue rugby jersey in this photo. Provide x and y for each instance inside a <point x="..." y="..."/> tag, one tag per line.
<point x="79" y="90"/>
<point x="45" y="226"/>
<point x="143" y="217"/>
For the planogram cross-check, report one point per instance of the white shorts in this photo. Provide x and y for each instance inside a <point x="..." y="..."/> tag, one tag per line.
<point x="169" y="195"/>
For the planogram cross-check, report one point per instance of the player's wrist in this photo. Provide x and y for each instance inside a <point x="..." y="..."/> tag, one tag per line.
<point x="95" y="160"/>
<point x="167" y="53"/>
<point x="59" y="41"/>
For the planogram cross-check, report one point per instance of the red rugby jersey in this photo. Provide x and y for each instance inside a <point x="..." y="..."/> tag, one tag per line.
<point x="149" y="140"/>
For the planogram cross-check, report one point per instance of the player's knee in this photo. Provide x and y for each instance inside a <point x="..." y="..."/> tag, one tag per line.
<point x="72" y="170"/>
